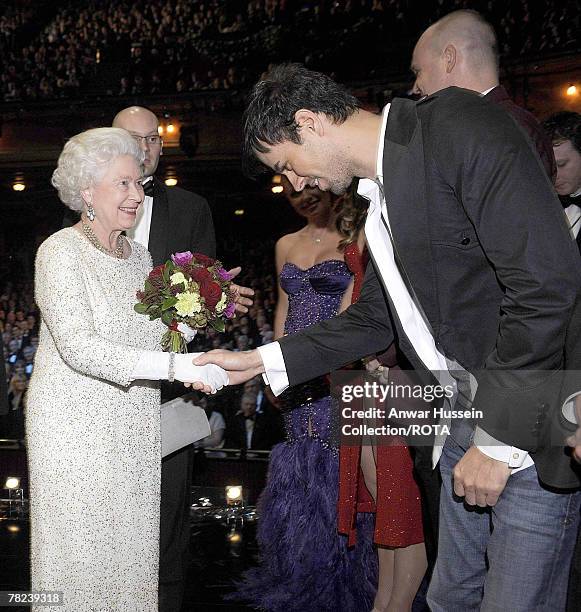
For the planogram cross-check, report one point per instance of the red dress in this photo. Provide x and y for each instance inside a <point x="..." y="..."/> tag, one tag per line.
<point x="398" y="520"/>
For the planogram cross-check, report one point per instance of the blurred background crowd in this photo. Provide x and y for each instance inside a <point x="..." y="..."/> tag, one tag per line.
<point x="65" y="49"/>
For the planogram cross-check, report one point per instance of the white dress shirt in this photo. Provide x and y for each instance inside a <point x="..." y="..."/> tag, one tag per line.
<point x="415" y="326"/>
<point x="140" y="231"/>
<point x="573" y="213"/>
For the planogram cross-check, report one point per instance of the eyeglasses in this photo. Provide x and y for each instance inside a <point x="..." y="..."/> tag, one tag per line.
<point x="154" y="139"/>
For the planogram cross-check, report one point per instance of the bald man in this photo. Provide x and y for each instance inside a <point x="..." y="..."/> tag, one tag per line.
<point x="170" y="220"/>
<point x="461" y="50"/>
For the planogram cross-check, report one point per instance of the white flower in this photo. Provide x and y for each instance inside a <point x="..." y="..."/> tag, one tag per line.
<point x="178" y="278"/>
<point x="187" y="304"/>
<point x="222" y="303"/>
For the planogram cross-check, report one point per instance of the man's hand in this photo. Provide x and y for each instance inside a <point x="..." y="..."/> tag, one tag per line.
<point x="574" y="441"/>
<point x="240" y="293"/>
<point x="240" y="366"/>
<point x="480" y="479"/>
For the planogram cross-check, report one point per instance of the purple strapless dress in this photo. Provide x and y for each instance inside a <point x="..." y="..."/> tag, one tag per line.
<point x="305" y="564"/>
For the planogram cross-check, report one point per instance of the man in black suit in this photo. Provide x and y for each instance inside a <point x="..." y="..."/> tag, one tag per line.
<point x="470" y="258"/>
<point x="170" y="220"/>
<point x="254" y="427"/>
<point x="564" y="130"/>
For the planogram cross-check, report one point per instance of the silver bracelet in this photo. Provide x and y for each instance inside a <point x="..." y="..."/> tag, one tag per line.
<point x="171" y="371"/>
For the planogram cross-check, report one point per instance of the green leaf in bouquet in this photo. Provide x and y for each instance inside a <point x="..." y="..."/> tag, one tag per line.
<point x="154" y="313"/>
<point x="148" y="286"/>
<point x="167" y="317"/>
<point x="166" y="272"/>
<point x="218" y="325"/>
<point x="169" y="302"/>
<point x="140" y="308"/>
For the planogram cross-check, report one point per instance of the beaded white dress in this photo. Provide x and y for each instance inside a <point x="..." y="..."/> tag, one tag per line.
<point x="93" y="436"/>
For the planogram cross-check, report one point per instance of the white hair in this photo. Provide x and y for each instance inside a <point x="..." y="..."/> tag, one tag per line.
<point x="86" y="157"/>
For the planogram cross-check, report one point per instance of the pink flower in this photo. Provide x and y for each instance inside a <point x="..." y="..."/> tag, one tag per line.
<point x="182" y="259"/>
<point x="229" y="310"/>
<point x="223" y="274"/>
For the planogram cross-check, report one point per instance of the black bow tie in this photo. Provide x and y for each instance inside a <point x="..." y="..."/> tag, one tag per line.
<point x="148" y="188"/>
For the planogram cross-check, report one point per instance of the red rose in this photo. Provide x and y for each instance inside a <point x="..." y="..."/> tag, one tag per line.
<point x="200" y="275"/>
<point x="157" y="271"/>
<point x="211" y="292"/>
<point x="204" y="259"/>
<point x="174" y="326"/>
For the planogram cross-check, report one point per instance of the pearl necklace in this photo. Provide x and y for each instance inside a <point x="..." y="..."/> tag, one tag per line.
<point x="90" y="234"/>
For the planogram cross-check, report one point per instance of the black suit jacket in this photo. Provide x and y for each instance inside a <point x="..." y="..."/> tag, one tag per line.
<point x="180" y="221"/>
<point x="485" y="249"/>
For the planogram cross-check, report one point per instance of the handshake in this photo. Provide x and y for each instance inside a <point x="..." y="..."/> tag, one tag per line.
<point x="209" y="372"/>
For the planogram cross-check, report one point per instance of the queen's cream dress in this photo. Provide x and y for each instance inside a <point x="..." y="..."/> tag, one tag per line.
<point x="93" y="435"/>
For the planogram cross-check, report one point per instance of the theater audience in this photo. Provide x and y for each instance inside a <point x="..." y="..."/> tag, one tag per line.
<point x="179" y="46"/>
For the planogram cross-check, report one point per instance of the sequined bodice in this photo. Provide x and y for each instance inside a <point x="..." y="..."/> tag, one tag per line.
<point x="314" y="295"/>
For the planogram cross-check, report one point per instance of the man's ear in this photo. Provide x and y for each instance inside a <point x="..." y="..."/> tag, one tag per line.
<point x="450" y="57"/>
<point x="308" y="121"/>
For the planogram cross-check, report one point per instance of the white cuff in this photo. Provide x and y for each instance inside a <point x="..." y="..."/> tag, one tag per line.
<point x="274" y="367"/>
<point x="152" y="365"/>
<point x="493" y="448"/>
<point x="569" y="408"/>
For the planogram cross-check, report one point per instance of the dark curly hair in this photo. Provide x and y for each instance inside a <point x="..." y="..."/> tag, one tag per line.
<point x="269" y="118"/>
<point x="562" y="126"/>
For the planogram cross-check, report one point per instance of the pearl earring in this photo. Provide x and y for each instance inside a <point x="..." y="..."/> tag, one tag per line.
<point x="90" y="212"/>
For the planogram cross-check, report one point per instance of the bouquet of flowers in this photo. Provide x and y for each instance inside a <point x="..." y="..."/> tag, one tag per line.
<point x="188" y="292"/>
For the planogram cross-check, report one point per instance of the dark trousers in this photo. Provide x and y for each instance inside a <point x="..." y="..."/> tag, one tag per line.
<point x="176" y="478"/>
<point x="429" y="481"/>
<point x="574" y="595"/>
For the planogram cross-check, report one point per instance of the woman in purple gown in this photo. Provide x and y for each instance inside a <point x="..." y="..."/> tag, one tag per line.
<point x="305" y="565"/>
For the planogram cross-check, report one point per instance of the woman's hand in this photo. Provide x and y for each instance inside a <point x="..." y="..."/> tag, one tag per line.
<point x="207" y="378"/>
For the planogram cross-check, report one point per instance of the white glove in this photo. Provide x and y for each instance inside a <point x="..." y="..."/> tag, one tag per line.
<point x="211" y="375"/>
<point x="187" y="332"/>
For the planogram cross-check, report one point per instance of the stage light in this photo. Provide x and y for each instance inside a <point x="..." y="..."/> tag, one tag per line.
<point x="234" y="495"/>
<point x="170" y="128"/>
<point x="239" y="212"/>
<point x="277" y="179"/>
<point x="13" y="528"/>
<point x="234" y="537"/>
<point x="171" y="182"/>
<point x="160" y="130"/>
<point x="572" y="90"/>
<point x="12" y="482"/>
<point x="277" y="189"/>
<point x="18" y="186"/>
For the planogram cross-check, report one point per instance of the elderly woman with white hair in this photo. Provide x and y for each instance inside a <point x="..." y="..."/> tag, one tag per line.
<point x="93" y="410"/>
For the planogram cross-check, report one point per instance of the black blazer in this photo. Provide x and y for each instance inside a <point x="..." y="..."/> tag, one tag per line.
<point x="180" y="221"/>
<point x="484" y="243"/>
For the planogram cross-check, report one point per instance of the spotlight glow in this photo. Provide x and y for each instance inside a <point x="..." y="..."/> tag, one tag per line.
<point x="12" y="482"/>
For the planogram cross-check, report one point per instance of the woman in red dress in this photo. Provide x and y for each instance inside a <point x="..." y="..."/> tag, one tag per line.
<point x="379" y="478"/>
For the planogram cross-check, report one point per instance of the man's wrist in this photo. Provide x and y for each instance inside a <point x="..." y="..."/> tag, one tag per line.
<point x="255" y="361"/>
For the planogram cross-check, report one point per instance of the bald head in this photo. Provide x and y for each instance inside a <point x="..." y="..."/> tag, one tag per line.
<point x="458" y="50"/>
<point x="141" y="123"/>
